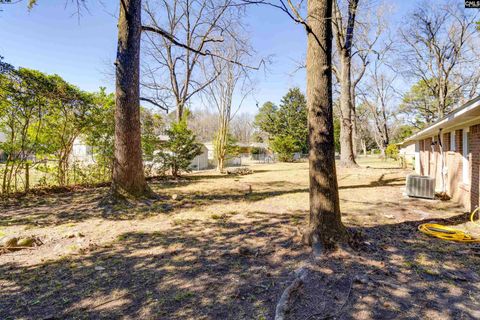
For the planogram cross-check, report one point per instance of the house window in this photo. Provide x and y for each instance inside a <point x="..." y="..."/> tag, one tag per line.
<point x="465" y="152"/>
<point x="452" y="141"/>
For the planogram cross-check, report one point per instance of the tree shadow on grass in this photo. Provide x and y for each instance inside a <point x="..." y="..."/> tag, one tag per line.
<point x="398" y="273"/>
<point x="380" y="182"/>
<point x="185" y="273"/>
<point x="74" y="207"/>
<point x="195" y="271"/>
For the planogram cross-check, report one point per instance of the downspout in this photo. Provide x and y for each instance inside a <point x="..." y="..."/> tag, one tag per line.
<point x="443" y="171"/>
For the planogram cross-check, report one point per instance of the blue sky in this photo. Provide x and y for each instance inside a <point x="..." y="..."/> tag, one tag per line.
<point x="52" y="39"/>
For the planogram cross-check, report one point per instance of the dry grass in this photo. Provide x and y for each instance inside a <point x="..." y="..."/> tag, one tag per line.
<point x="180" y="259"/>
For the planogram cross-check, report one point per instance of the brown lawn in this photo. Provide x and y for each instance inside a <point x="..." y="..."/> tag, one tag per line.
<point x="219" y="251"/>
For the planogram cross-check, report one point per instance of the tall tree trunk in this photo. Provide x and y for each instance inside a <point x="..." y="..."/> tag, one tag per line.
<point x="128" y="175"/>
<point x="347" y="154"/>
<point x="179" y="111"/>
<point x="221" y="145"/>
<point x="325" y="225"/>
<point x="27" y="176"/>
<point x="355" y="138"/>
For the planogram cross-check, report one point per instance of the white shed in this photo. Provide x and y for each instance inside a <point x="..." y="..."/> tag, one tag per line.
<point x="211" y="150"/>
<point x="200" y="162"/>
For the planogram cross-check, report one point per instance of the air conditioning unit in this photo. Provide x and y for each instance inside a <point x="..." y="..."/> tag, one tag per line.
<point x="420" y="186"/>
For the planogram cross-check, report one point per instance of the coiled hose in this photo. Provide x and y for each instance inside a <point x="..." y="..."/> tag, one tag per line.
<point x="448" y="233"/>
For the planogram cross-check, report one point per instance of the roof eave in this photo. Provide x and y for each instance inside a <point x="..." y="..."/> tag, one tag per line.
<point x="451" y="120"/>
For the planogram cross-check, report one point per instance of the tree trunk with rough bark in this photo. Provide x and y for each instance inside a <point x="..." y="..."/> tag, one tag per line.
<point x="179" y="111"/>
<point x="364" y="147"/>
<point x="221" y="145"/>
<point x="344" y="40"/>
<point x="128" y="175"/>
<point x="347" y="154"/>
<point x="325" y="226"/>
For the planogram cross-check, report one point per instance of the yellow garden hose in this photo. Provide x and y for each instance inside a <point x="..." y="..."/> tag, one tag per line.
<point x="450" y="234"/>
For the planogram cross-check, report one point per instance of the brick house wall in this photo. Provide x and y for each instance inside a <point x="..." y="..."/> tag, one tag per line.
<point x="421" y="156"/>
<point x="431" y="165"/>
<point x="456" y="188"/>
<point x="474" y="141"/>
<point x="455" y="164"/>
<point x="446" y="141"/>
<point x="427" y="151"/>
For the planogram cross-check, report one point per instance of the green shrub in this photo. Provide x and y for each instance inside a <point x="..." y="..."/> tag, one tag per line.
<point x="256" y="150"/>
<point x="180" y="149"/>
<point x="285" y="147"/>
<point x="392" y="152"/>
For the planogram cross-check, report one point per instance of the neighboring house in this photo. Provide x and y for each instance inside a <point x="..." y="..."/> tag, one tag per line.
<point x="200" y="162"/>
<point x="81" y="152"/>
<point x="407" y="151"/>
<point x="230" y="162"/>
<point x="245" y="149"/>
<point x="449" y="151"/>
<point x="210" y="150"/>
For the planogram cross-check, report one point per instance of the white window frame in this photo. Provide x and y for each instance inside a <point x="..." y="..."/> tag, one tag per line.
<point x="452" y="141"/>
<point x="465" y="160"/>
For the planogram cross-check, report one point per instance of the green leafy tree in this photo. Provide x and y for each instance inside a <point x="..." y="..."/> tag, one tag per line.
<point x="152" y="125"/>
<point x="225" y="149"/>
<point x="101" y="137"/>
<point x="290" y="119"/>
<point x="266" y="119"/>
<point x="70" y="113"/>
<point x="421" y="107"/>
<point x="403" y="133"/>
<point x="23" y="104"/>
<point x="419" y="104"/>
<point x="180" y="149"/>
<point x="285" y="147"/>
<point x="392" y="151"/>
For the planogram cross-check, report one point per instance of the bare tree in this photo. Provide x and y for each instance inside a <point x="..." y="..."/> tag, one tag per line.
<point x="365" y="135"/>
<point x="351" y="58"/>
<point x="242" y="127"/>
<point x="377" y="96"/>
<point x="231" y="82"/>
<point x="343" y="31"/>
<point x="204" y="123"/>
<point x="128" y="175"/>
<point x="172" y="74"/>
<point x="325" y="226"/>
<point x="438" y="40"/>
<point x="371" y="28"/>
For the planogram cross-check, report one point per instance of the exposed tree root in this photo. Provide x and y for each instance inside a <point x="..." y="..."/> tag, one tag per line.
<point x="323" y="244"/>
<point x="114" y="198"/>
<point x="117" y="197"/>
<point x="348" y="164"/>
<point x="284" y="304"/>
